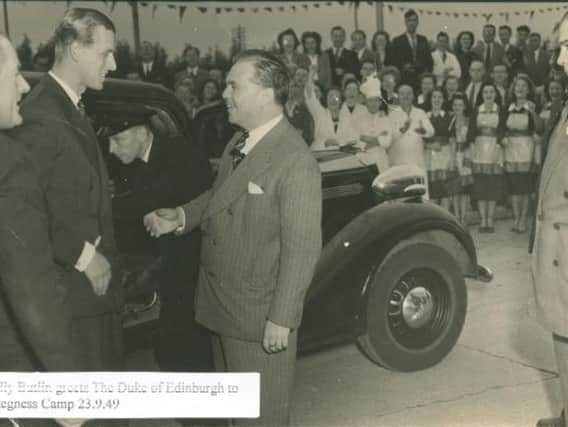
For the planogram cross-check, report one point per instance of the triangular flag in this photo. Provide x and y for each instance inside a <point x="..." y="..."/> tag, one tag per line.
<point x="316" y="5"/>
<point x="456" y="15"/>
<point x="293" y="8"/>
<point x="241" y="9"/>
<point x="228" y="9"/>
<point x="474" y="15"/>
<point x="281" y="8"/>
<point x="421" y="11"/>
<point x="112" y="5"/>
<point x="171" y="6"/>
<point x="532" y="14"/>
<point x="268" y="9"/>
<point x="202" y="9"/>
<point x="305" y="6"/>
<point x="466" y="15"/>
<point x="390" y="7"/>
<point x="255" y="9"/>
<point x="144" y="4"/>
<point x="218" y="10"/>
<point x="182" y="10"/>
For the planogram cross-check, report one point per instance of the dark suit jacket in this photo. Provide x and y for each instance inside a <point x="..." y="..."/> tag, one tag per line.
<point x="539" y="71"/>
<point x="400" y="55"/>
<point x="347" y="61"/>
<point x="513" y="59"/>
<point x="303" y="121"/>
<point x="324" y="71"/>
<point x="74" y="179"/>
<point x="157" y="74"/>
<point x="497" y="54"/>
<point x="32" y="298"/>
<point x="211" y="128"/>
<point x="261" y="228"/>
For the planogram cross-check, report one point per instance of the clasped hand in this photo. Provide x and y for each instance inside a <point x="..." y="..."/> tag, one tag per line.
<point x="161" y="221"/>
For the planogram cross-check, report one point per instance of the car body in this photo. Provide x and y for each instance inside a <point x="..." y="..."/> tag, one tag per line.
<point x="391" y="274"/>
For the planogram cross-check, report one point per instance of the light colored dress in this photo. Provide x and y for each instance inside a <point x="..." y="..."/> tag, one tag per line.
<point x="462" y="152"/>
<point x="439" y="157"/>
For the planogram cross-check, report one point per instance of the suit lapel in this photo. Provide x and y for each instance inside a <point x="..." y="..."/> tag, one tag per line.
<point x="253" y="165"/>
<point x="551" y="164"/>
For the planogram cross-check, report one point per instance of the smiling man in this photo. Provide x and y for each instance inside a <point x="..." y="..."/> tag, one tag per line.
<point x="261" y="226"/>
<point x="74" y="180"/>
<point x="549" y="264"/>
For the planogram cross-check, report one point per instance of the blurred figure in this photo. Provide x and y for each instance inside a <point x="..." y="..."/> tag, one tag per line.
<point x="359" y="46"/>
<point x="523" y="32"/>
<point x="295" y="109"/>
<point x="554" y="100"/>
<point x="513" y="58"/>
<point x="411" y="52"/>
<point x="390" y="79"/>
<point x="500" y="76"/>
<point x="381" y="48"/>
<point x="341" y="59"/>
<point x="192" y="69"/>
<point x="311" y="43"/>
<point x="149" y="68"/>
<point x="488" y="50"/>
<point x="451" y="88"/>
<point x="210" y="126"/>
<point x="427" y="85"/>
<point x="465" y="54"/>
<point x="288" y="45"/>
<point x="185" y="91"/>
<point x="536" y="62"/>
<point x="476" y="79"/>
<point x="368" y="69"/>
<point x="445" y="63"/>
<point x="218" y="75"/>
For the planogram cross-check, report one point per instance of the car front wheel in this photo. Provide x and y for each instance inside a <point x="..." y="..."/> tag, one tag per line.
<point x="416" y="308"/>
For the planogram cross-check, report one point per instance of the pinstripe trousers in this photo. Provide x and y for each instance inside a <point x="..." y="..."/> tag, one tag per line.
<point x="276" y="375"/>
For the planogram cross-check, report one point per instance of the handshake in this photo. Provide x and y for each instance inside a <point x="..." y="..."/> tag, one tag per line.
<point x="163" y="221"/>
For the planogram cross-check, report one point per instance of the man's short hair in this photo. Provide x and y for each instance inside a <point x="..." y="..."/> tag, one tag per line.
<point x="523" y="28"/>
<point x="490" y="26"/>
<point x="360" y="32"/>
<point x="79" y="24"/>
<point x="535" y="35"/>
<point x="443" y="34"/>
<point x="270" y="72"/>
<point x="410" y="13"/>
<point x="337" y="28"/>
<point x="506" y="27"/>
<point x="190" y="47"/>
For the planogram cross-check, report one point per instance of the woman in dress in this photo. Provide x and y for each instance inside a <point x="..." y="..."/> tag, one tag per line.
<point x="311" y="44"/>
<point x="380" y="44"/>
<point x="458" y="138"/>
<point x="521" y="124"/>
<point x="333" y="123"/>
<point x="288" y="43"/>
<point x="485" y="134"/>
<point x="464" y="54"/>
<point x="554" y="99"/>
<point x="438" y="152"/>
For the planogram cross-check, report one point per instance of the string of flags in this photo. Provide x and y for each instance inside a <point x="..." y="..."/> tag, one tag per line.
<point x="299" y="6"/>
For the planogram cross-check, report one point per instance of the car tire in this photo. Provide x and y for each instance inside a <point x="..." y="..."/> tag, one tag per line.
<point x="416" y="306"/>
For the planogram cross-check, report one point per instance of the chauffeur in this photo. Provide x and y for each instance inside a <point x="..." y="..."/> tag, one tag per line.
<point x="165" y="171"/>
<point x="550" y="250"/>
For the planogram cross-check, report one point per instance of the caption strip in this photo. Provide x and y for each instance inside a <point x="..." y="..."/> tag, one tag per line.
<point x="129" y="395"/>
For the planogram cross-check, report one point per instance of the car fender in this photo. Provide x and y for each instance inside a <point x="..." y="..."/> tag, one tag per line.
<point x="365" y="241"/>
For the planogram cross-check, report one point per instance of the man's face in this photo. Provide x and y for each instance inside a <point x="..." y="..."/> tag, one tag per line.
<point x="389" y="82"/>
<point x="12" y="87"/>
<point x="534" y="43"/>
<point x="373" y="104"/>
<point x="357" y="41"/>
<point x="127" y="145"/>
<point x="405" y="96"/>
<point x="522" y="36"/>
<point x="310" y="45"/>
<point x="504" y="36"/>
<point x="452" y="85"/>
<point x="191" y="58"/>
<point x="97" y="59"/>
<point x="476" y="71"/>
<point x="147" y="52"/>
<point x="555" y="90"/>
<point x="244" y="97"/>
<point x="338" y="38"/>
<point x="488" y="34"/>
<point x="411" y="23"/>
<point x="367" y="69"/>
<point x="499" y="75"/>
<point x="427" y="85"/>
<point x="443" y="43"/>
<point x="563" y="42"/>
<point x="489" y="94"/>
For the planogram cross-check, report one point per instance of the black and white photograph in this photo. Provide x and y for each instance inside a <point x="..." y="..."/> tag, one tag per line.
<point x="362" y="203"/>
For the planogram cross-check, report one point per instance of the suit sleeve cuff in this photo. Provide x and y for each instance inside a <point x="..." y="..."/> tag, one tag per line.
<point x="181" y="219"/>
<point x="87" y="255"/>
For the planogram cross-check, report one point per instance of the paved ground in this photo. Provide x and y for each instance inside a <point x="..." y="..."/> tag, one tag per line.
<point x="501" y="373"/>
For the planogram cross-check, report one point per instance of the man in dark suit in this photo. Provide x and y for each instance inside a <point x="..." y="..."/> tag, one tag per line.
<point x="73" y="175"/>
<point x="192" y="69"/>
<point x="261" y="226"/>
<point x="488" y="50"/>
<point x="477" y="78"/>
<point x="165" y="171"/>
<point x="149" y="67"/>
<point x="359" y="46"/>
<point x="410" y="52"/>
<point x="342" y="61"/>
<point x="513" y="58"/>
<point x="536" y="62"/>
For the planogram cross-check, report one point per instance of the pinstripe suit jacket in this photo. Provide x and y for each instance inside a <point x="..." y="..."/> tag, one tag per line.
<point x="259" y="251"/>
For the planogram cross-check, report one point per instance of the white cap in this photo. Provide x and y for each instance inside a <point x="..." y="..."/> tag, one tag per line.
<point x="371" y="88"/>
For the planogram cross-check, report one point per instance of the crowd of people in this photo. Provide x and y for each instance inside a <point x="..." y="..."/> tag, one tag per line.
<point x="471" y="114"/>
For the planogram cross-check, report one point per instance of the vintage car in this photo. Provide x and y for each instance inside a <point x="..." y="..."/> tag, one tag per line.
<point x="392" y="272"/>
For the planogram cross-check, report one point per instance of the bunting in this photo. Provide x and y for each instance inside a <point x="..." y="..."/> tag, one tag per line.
<point x="182" y="10"/>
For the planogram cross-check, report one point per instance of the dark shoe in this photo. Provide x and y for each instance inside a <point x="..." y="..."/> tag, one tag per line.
<point x="552" y="422"/>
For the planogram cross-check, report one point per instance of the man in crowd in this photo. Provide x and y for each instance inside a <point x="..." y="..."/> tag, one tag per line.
<point x="342" y="61"/>
<point x="549" y="262"/>
<point x="536" y="62"/>
<point x="500" y="77"/>
<point x="149" y="68"/>
<point x="35" y="317"/>
<point x="513" y="57"/>
<point x="296" y="110"/>
<point x="445" y="63"/>
<point x="488" y="50"/>
<point x="192" y="69"/>
<point x="164" y="171"/>
<point x="359" y="46"/>
<point x="261" y="226"/>
<point x="74" y="179"/>
<point x="523" y="32"/>
<point x="410" y="52"/>
<point x="473" y="89"/>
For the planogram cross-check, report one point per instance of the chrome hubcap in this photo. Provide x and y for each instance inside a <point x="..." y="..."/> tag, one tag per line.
<point x="417" y="307"/>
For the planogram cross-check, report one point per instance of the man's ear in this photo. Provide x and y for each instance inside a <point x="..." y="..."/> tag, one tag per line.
<point x="74" y="51"/>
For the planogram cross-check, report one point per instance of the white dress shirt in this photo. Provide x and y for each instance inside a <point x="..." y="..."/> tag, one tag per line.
<point x="89" y="249"/>
<point x="258" y="133"/>
<point x="408" y="148"/>
<point x="440" y="66"/>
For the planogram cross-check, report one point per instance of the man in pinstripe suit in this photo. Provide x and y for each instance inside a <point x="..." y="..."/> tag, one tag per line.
<point x="261" y="227"/>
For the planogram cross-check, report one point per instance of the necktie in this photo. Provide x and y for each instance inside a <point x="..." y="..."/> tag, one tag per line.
<point x="236" y="153"/>
<point x="81" y="108"/>
<point x="413" y="45"/>
<point x="471" y="94"/>
<point x="488" y="56"/>
<point x="444" y="56"/>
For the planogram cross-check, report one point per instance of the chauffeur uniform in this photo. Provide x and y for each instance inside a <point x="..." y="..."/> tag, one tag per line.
<point x="261" y="225"/>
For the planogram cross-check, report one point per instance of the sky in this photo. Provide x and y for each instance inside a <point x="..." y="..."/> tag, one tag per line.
<point x="206" y="30"/>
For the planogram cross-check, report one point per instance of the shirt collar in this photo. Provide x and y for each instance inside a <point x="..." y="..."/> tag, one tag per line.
<point x="75" y="98"/>
<point x="259" y="132"/>
<point x="494" y="109"/>
<point x="146" y="157"/>
<point x="524" y="107"/>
